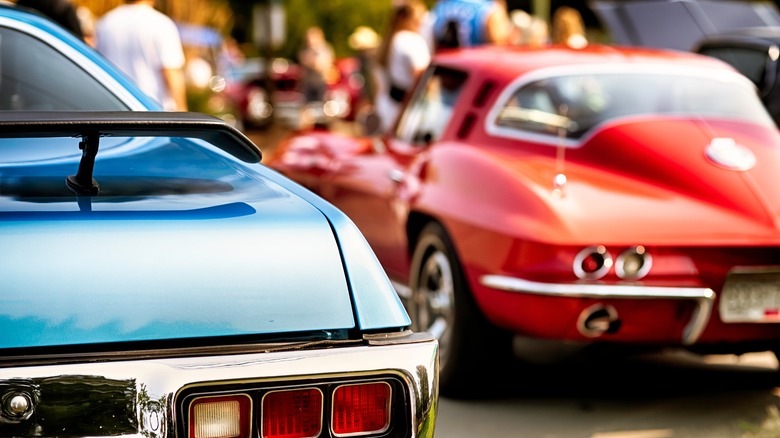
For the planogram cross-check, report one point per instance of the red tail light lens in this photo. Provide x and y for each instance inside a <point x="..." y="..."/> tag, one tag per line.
<point x="592" y="263"/>
<point x="220" y="417"/>
<point x="361" y="409"/>
<point x="292" y="413"/>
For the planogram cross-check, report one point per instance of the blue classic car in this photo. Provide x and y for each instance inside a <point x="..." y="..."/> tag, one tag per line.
<point x="156" y="280"/>
<point x="159" y="281"/>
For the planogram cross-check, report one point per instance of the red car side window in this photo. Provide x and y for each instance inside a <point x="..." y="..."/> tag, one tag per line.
<point x="430" y="109"/>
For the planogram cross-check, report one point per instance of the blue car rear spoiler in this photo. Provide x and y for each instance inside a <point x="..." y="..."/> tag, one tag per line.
<point x="92" y="125"/>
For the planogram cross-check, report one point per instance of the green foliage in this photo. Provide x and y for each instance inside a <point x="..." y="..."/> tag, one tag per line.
<point x="337" y="18"/>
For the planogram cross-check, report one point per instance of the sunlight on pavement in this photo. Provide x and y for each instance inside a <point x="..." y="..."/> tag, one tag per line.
<point x="764" y="360"/>
<point x="655" y="433"/>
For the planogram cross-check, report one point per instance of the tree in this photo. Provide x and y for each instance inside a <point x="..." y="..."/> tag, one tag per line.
<point x="337" y="18"/>
<point x="216" y="14"/>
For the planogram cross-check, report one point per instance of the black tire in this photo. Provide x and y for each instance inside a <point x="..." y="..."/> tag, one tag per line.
<point x="441" y="303"/>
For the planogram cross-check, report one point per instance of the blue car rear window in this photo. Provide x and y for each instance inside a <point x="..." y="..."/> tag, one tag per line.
<point x="36" y="77"/>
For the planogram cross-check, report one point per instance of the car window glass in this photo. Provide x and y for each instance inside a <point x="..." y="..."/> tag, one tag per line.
<point x="573" y="105"/>
<point x="749" y="62"/>
<point x="430" y="109"/>
<point x="36" y="77"/>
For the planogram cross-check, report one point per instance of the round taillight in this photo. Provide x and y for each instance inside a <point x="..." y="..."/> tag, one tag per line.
<point x="633" y="264"/>
<point x="592" y="263"/>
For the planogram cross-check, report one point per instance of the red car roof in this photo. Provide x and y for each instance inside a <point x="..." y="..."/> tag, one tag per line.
<point x="500" y="62"/>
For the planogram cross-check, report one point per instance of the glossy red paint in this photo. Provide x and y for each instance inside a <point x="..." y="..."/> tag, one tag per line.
<point x="516" y="226"/>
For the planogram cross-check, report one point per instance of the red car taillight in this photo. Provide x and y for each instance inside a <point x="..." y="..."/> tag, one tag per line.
<point x="221" y="417"/>
<point x="361" y="409"/>
<point x="592" y="263"/>
<point x="295" y="413"/>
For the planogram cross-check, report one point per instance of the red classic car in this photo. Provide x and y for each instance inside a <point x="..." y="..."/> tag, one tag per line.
<point x="615" y="195"/>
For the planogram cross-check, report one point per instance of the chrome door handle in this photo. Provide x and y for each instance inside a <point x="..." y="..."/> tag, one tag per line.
<point x="396" y="175"/>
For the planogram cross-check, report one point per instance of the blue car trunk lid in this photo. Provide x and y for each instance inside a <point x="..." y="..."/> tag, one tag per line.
<point x="106" y="276"/>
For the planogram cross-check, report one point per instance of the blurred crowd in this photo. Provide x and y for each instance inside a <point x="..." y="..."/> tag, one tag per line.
<point x="392" y="62"/>
<point x="140" y="40"/>
<point x="416" y="33"/>
<point x="389" y="61"/>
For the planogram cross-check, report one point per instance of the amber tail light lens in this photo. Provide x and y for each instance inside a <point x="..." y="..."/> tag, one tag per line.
<point x="220" y="417"/>
<point x="292" y="413"/>
<point x="361" y="409"/>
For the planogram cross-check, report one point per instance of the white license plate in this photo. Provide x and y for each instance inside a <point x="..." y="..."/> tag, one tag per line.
<point x="751" y="297"/>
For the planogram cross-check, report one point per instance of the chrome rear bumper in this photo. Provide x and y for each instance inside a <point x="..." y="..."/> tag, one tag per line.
<point x="150" y="388"/>
<point x="703" y="297"/>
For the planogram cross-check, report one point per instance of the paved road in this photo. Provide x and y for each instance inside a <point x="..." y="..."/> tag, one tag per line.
<point x="667" y="395"/>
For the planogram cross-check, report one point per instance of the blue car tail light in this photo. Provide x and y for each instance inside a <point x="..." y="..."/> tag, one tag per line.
<point x="221" y="417"/>
<point x="361" y="409"/>
<point x="337" y="407"/>
<point x="295" y="413"/>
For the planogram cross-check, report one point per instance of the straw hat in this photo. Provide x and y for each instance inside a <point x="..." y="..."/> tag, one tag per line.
<point x="363" y="38"/>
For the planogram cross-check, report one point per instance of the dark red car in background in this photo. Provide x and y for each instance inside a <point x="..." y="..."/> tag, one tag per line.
<point x="255" y="96"/>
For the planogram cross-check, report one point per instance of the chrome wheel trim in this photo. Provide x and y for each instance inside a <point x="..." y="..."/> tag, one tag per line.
<point x="433" y="300"/>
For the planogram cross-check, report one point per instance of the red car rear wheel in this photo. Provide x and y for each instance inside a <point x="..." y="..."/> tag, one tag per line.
<point x="441" y="304"/>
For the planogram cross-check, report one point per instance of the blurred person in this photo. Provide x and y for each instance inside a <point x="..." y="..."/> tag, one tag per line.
<point x="229" y="56"/>
<point x="146" y="45"/>
<point x="527" y="30"/>
<point x="538" y="33"/>
<point x="365" y="41"/>
<point x="87" y="22"/>
<point x="568" y="28"/>
<point x="403" y="57"/>
<point x="198" y="70"/>
<point x="464" y="23"/>
<point x="62" y="12"/>
<point x="316" y="57"/>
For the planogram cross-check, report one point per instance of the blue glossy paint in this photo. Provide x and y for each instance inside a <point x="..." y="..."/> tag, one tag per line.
<point x="182" y="242"/>
<point x="376" y="303"/>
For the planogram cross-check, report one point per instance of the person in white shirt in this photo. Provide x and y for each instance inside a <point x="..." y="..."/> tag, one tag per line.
<point x="145" y="44"/>
<point x="403" y="57"/>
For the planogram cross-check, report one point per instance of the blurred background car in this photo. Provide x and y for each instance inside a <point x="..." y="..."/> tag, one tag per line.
<point x="744" y="34"/>
<point x="679" y="24"/>
<point x="241" y="92"/>
<point x="754" y="52"/>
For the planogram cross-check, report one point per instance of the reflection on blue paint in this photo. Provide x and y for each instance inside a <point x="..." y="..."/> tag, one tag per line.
<point x="233" y="210"/>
